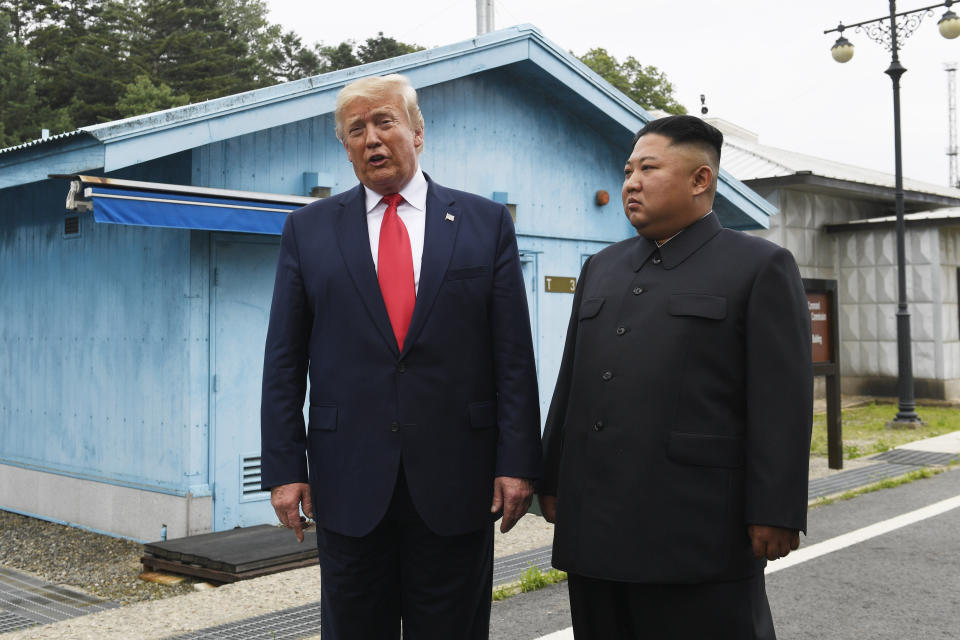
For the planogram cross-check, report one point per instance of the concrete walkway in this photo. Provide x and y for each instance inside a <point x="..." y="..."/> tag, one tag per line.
<point x="285" y="605"/>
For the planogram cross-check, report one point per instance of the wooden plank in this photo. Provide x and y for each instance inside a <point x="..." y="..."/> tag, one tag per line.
<point x="237" y="550"/>
<point x="159" y="564"/>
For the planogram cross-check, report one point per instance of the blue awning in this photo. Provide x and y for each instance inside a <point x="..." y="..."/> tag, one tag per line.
<point x="184" y="211"/>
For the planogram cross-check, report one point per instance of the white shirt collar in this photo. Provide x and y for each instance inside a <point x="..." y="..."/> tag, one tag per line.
<point x="660" y="244"/>
<point x="414" y="193"/>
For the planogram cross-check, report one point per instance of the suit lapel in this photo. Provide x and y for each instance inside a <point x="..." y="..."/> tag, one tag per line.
<point x="439" y="236"/>
<point x="354" y="243"/>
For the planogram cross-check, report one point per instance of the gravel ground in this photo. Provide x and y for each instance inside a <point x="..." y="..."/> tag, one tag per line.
<point x="109" y="567"/>
<point x="93" y="563"/>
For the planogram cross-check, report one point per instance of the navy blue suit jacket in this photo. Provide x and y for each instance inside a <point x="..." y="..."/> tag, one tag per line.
<point x="457" y="406"/>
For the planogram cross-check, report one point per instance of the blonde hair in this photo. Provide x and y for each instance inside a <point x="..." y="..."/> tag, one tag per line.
<point x="379" y="87"/>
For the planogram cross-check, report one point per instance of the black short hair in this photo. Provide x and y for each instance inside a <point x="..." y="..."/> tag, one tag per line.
<point x="684" y="130"/>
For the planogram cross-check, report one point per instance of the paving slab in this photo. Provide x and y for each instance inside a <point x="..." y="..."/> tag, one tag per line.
<point x="947" y="443"/>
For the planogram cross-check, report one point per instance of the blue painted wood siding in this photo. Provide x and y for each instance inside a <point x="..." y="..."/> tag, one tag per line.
<point x="485" y="133"/>
<point x="104" y="345"/>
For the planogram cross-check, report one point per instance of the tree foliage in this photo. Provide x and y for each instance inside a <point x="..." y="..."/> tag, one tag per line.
<point x="72" y="63"/>
<point x="189" y="46"/>
<point x="143" y="96"/>
<point x="645" y="85"/>
<point x="22" y="112"/>
<point x="382" y="48"/>
<point x="69" y="63"/>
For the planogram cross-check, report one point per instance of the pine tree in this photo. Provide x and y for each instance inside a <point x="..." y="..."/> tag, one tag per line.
<point x="82" y="50"/>
<point x="142" y="96"/>
<point x="288" y="59"/>
<point x="190" y="47"/>
<point x="22" y="112"/>
<point x="382" y="48"/>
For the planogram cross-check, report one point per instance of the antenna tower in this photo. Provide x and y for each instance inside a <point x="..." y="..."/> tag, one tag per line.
<point x="951" y="68"/>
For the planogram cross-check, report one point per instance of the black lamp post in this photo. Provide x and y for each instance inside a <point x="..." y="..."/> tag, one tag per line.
<point x="885" y="31"/>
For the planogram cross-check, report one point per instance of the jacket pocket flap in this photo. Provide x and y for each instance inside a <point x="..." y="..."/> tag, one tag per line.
<point x="323" y="417"/>
<point x="706" y="450"/>
<point x="468" y="272"/>
<point x="590" y="307"/>
<point x="483" y="415"/>
<point x="697" y="304"/>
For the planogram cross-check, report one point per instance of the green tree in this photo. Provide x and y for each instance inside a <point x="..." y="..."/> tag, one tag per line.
<point x="383" y="48"/>
<point x="22" y="113"/>
<point x="20" y="18"/>
<point x="249" y="20"/>
<point x="288" y="59"/>
<point x="82" y="51"/>
<point x="190" y="47"/>
<point x="645" y="85"/>
<point x="142" y="96"/>
<point x="338" y="57"/>
<point x="67" y="63"/>
<point x="348" y="54"/>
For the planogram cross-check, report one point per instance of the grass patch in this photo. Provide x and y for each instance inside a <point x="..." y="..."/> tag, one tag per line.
<point x="888" y="483"/>
<point x="530" y="580"/>
<point x="865" y="428"/>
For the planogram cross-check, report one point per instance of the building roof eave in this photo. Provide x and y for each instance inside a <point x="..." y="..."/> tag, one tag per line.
<point x="920" y="219"/>
<point x="77" y="152"/>
<point x="808" y="181"/>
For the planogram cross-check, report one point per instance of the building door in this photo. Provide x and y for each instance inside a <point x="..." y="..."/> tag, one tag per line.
<point x="242" y="288"/>
<point x="529" y="263"/>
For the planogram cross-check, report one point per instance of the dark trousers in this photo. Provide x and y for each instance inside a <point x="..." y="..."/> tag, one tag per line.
<point x="607" y="610"/>
<point x="440" y="586"/>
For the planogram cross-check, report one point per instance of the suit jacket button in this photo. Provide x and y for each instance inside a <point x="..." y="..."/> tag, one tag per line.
<point x="395" y="426"/>
<point x="621" y="331"/>
<point x="657" y="259"/>
<point x="598" y="425"/>
<point x="401" y="368"/>
<point x="637" y="291"/>
<point x="607" y="375"/>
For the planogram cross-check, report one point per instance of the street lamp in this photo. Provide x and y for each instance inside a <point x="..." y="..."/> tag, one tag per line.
<point x="884" y="30"/>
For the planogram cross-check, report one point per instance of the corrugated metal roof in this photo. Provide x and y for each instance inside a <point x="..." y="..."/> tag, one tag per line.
<point x="47" y="140"/>
<point x="747" y="159"/>
<point x="949" y="216"/>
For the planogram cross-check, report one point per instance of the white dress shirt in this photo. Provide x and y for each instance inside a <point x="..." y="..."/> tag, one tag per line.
<point x="413" y="213"/>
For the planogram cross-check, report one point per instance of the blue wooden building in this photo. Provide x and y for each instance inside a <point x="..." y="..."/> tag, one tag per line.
<point x="132" y="324"/>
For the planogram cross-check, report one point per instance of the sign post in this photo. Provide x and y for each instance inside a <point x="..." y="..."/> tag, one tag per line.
<point x="824" y="325"/>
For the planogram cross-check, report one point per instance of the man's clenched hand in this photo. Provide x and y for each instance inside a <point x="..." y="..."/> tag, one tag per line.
<point x="286" y="500"/>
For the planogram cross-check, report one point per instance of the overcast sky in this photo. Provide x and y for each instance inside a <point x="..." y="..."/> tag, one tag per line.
<point x="763" y="64"/>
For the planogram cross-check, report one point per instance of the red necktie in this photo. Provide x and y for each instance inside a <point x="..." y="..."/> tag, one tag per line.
<point x="395" y="269"/>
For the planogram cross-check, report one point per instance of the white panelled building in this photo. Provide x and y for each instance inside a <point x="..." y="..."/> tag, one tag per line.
<point x="838" y="220"/>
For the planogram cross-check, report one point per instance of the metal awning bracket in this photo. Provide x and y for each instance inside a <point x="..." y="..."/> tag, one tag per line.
<point x="75" y="198"/>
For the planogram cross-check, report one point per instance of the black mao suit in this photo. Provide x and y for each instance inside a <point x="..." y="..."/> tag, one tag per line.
<point x="682" y="411"/>
<point x="416" y="435"/>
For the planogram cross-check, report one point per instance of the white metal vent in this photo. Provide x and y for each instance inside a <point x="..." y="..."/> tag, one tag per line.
<point x="250" y="478"/>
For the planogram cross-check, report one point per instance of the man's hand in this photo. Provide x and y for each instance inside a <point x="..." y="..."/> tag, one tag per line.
<point x="286" y="500"/>
<point x="772" y="542"/>
<point x="514" y="496"/>
<point x="548" y="507"/>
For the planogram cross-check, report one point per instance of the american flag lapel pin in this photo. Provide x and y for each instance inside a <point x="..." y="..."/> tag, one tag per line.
<point x="449" y="217"/>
